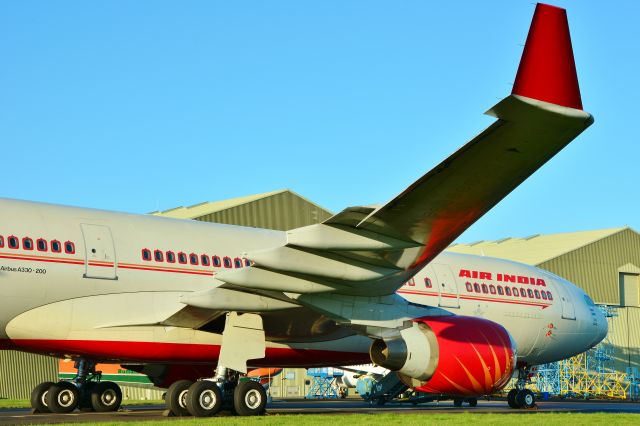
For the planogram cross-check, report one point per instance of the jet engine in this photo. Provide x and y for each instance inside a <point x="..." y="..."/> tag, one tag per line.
<point x="453" y="355"/>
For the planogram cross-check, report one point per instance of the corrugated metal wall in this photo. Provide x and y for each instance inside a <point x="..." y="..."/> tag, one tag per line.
<point x="624" y="334"/>
<point x="142" y="392"/>
<point x="291" y="383"/>
<point x="281" y="211"/>
<point x="20" y="372"/>
<point x="595" y="266"/>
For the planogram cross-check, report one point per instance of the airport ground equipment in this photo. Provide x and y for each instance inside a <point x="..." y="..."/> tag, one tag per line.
<point x="323" y="383"/>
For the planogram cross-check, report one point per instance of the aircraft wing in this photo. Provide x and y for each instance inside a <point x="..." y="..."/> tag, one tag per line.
<point x="371" y="251"/>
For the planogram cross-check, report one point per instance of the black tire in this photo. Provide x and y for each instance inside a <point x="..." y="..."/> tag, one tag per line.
<point x="457" y="402"/>
<point x="106" y="397"/>
<point x="38" y="397"/>
<point x="176" y="399"/>
<point x="249" y="398"/>
<point x="62" y="397"/>
<point x="526" y="399"/>
<point x="473" y="402"/>
<point x="511" y="398"/>
<point x="204" y="399"/>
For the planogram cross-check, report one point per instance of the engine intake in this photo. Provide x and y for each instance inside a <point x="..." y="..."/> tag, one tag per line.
<point x="414" y="353"/>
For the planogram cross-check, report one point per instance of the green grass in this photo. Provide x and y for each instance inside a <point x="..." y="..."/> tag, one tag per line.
<point x="407" y="419"/>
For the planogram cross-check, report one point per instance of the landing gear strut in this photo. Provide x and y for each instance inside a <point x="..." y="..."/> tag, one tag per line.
<point x="207" y="397"/>
<point x="85" y="391"/>
<point x="520" y="397"/>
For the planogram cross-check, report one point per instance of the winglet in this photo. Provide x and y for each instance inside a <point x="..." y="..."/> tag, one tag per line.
<point x="547" y="71"/>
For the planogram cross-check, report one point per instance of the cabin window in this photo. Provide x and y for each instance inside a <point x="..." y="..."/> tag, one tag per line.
<point x="146" y="254"/>
<point x="427" y="282"/>
<point x="507" y="291"/>
<point x="27" y="243"/>
<point x="69" y="247"/>
<point x="13" y="242"/>
<point x="530" y="293"/>
<point x="182" y="258"/>
<point x="537" y="294"/>
<point x="549" y="295"/>
<point x="492" y="289"/>
<point x="516" y="293"/>
<point x="56" y="246"/>
<point x="171" y="257"/>
<point x="523" y="292"/>
<point x="469" y="286"/>
<point x="216" y="261"/>
<point x="204" y="259"/>
<point x="247" y="262"/>
<point x="238" y="263"/>
<point x="485" y="289"/>
<point x="193" y="259"/>
<point x="476" y="287"/>
<point x="227" y="262"/>
<point x="543" y="294"/>
<point x="41" y="244"/>
<point x="158" y="256"/>
<point x="1" y="241"/>
<point x="500" y="290"/>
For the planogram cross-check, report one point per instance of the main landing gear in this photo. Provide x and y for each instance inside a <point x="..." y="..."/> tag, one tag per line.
<point x="85" y="392"/>
<point x="207" y="397"/>
<point x="520" y="397"/>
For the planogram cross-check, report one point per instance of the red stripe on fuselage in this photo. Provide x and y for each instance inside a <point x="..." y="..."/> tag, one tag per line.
<point x="123" y="351"/>
<point x="42" y="259"/>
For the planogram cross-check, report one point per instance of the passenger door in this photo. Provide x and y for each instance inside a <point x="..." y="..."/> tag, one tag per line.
<point x="100" y="254"/>
<point x="447" y="286"/>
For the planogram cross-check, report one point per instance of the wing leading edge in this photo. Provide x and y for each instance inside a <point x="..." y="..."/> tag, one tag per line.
<point x="367" y="251"/>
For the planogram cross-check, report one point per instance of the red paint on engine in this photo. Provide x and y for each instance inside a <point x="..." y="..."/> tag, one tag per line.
<point x="476" y="356"/>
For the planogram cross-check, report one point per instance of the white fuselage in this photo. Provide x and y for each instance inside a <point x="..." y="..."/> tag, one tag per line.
<point x="112" y="293"/>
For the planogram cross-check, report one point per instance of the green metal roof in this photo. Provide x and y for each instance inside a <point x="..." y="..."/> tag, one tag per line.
<point x="203" y="209"/>
<point x="535" y="249"/>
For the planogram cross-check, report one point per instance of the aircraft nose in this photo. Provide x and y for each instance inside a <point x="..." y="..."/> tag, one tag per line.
<point x="602" y="327"/>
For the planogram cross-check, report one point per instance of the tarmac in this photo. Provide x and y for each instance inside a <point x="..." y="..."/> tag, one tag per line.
<point x="155" y="412"/>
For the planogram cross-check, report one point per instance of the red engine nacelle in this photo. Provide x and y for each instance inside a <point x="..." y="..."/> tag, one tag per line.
<point x="453" y="355"/>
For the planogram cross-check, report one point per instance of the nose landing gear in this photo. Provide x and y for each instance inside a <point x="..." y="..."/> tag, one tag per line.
<point x="85" y="392"/>
<point x="520" y="397"/>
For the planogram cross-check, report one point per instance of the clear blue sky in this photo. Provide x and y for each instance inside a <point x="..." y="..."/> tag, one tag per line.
<point x="145" y="105"/>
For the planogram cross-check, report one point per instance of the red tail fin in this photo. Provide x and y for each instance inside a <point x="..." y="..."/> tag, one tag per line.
<point x="547" y="71"/>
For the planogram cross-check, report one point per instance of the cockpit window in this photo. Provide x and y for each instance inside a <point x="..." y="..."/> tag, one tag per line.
<point x="588" y="300"/>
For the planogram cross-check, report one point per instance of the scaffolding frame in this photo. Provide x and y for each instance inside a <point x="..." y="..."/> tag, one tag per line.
<point x="590" y="374"/>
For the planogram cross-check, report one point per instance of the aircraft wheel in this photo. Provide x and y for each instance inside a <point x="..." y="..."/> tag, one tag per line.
<point x="526" y="399"/>
<point x="62" y="397"/>
<point x="457" y="402"/>
<point x="511" y="398"/>
<point x="204" y="399"/>
<point x="38" y="397"/>
<point x="106" y="397"/>
<point x="472" y="402"/>
<point x="177" y="397"/>
<point x="249" y="398"/>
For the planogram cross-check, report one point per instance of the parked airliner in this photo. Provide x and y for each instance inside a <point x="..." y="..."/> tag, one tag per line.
<point x="194" y="304"/>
